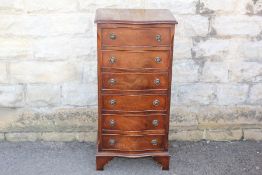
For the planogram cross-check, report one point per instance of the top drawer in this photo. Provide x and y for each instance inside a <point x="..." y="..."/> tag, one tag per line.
<point x="136" y="37"/>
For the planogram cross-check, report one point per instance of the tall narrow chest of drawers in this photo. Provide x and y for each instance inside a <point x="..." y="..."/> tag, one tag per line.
<point x="135" y="49"/>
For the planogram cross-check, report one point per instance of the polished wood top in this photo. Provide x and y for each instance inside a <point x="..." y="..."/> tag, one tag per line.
<point x="135" y="16"/>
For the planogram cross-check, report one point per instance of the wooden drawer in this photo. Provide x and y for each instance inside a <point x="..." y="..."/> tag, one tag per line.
<point x="136" y="37"/>
<point x="134" y="102"/>
<point x="134" y="122"/>
<point x="116" y="142"/>
<point x="135" y="60"/>
<point x="134" y="81"/>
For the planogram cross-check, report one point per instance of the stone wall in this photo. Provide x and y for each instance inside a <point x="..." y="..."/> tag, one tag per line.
<point x="48" y="69"/>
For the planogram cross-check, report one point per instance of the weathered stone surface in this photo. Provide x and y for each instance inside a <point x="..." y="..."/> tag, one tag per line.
<point x="222" y="48"/>
<point x="69" y="137"/>
<point x="186" y="135"/>
<point x="251" y="50"/>
<point x="189" y="94"/>
<point x="182" y="48"/>
<point x="223" y="6"/>
<point x="237" y="25"/>
<point x="255" y="96"/>
<point x="90" y="72"/>
<point x="91" y="6"/>
<point x="48" y="120"/>
<point x="18" y="47"/>
<point x="50" y="5"/>
<point x="2" y="137"/>
<point x="11" y="5"/>
<point x="245" y="72"/>
<point x="253" y="134"/>
<point x="215" y="72"/>
<point x="44" y="72"/>
<point x="185" y="71"/>
<point x="22" y="136"/>
<point x="3" y="73"/>
<point x="52" y="48"/>
<point x="182" y="117"/>
<point x="44" y="25"/>
<point x="228" y="117"/>
<point x="223" y="135"/>
<point x="11" y="96"/>
<point x="231" y="94"/>
<point x="177" y="6"/>
<point x="79" y="94"/>
<point x="191" y="25"/>
<point x="43" y="95"/>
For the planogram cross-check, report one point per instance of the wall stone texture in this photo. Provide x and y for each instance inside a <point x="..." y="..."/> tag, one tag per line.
<point x="48" y="86"/>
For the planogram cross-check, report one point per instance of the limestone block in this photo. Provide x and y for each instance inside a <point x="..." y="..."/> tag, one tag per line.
<point x="245" y="71"/>
<point x="185" y="71"/>
<point x="253" y="134"/>
<point x="231" y="94"/>
<point x="43" y="95"/>
<point x="44" y="72"/>
<point x="23" y="136"/>
<point x="237" y="25"/>
<point x="186" y="135"/>
<point x="255" y="96"/>
<point x="3" y="73"/>
<point x="188" y="94"/>
<point x="215" y="72"/>
<point x="50" y="5"/>
<point x="223" y="135"/>
<point x="11" y="96"/>
<point x="223" y="6"/>
<point x="15" y="47"/>
<point x="79" y="94"/>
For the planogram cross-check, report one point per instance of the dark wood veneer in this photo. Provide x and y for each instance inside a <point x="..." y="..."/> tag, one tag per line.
<point x="135" y="52"/>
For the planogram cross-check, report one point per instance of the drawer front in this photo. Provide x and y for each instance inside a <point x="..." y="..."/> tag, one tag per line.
<point x="135" y="60"/>
<point x="136" y="37"/>
<point x="134" y="102"/>
<point x="132" y="143"/>
<point x="135" y="81"/>
<point x="134" y="122"/>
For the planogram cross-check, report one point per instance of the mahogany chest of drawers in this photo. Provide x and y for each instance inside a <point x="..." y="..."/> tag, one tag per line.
<point x="135" y="49"/>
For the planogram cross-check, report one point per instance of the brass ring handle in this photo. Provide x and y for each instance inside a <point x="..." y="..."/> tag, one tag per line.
<point x="112" y="60"/>
<point x="158" y="60"/>
<point x="112" y="81"/>
<point x="112" y="102"/>
<point x="157" y="81"/>
<point x="112" y="122"/>
<point x="112" y="142"/>
<point x="155" y="123"/>
<point x="158" y="38"/>
<point x="112" y="36"/>
<point x="154" y="142"/>
<point x="156" y="102"/>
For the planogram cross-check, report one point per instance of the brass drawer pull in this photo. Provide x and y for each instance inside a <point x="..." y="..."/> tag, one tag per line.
<point x="157" y="81"/>
<point x="155" y="123"/>
<point x="112" y="36"/>
<point x="156" y="102"/>
<point x="154" y="142"/>
<point x="112" y="122"/>
<point x="112" y="102"/>
<point x="112" y="60"/>
<point x="158" y="38"/>
<point x="158" y="60"/>
<point x="112" y="142"/>
<point x="112" y="81"/>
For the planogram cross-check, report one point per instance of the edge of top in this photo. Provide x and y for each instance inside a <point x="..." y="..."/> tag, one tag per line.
<point x="174" y="21"/>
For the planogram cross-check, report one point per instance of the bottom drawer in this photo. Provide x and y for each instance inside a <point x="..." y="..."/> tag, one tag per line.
<point x="114" y="142"/>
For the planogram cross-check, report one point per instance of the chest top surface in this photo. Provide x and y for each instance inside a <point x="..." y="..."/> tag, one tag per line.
<point x="135" y="16"/>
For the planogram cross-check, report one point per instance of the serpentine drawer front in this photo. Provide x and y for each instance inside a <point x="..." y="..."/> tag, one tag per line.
<point x="135" y="49"/>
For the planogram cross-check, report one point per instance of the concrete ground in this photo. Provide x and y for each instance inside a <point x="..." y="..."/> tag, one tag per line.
<point x="188" y="158"/>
